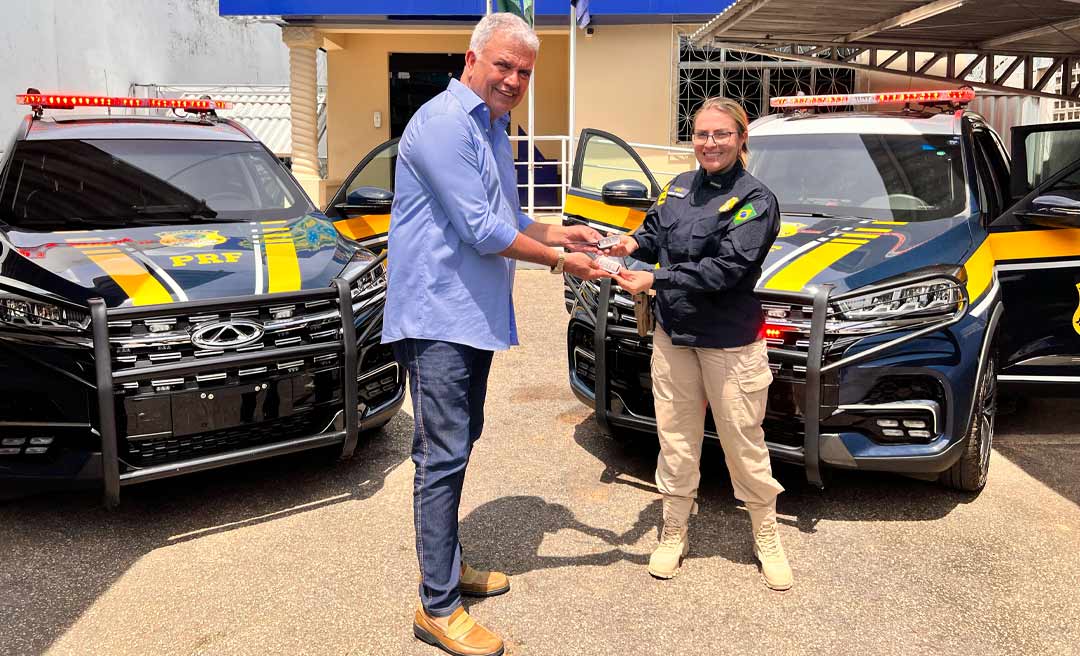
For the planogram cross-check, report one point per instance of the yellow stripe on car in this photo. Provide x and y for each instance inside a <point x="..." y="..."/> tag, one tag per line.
<point x="623" y="218"/>
<point x="364" y="227"/>
<point x="132" y="277"/>
<point x="795" y="276"/>
<point x="980" y="270"/>
<point x="1030" y="244"/>
<point x="282" y="264"/>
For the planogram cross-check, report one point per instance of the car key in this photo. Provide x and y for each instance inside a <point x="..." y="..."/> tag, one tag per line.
<point x="609" y="264"/>
<point x="608" y="242"/>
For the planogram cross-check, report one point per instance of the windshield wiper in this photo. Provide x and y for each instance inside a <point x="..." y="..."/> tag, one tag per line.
<point x="200" y="212"/>
<point x="823" y="215"/>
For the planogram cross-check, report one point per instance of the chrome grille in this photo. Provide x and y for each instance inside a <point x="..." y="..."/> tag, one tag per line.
<point x="139" y="343"/>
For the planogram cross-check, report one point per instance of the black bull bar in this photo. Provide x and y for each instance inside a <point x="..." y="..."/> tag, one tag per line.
<point x="820" y="375"/>
<point x="346" y="433"/>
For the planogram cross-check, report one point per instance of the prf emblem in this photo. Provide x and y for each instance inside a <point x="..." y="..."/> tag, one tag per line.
<point x="227" y="257"/>
<point x="1076" y="315"/>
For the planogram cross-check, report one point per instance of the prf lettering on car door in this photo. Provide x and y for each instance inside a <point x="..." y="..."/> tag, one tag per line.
<point x="228" y="257"/>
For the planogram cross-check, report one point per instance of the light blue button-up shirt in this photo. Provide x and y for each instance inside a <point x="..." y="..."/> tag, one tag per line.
<point x="455" y="209"/>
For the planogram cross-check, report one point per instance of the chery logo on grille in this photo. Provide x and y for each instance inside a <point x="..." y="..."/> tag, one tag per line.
<point x="226" y="334"/>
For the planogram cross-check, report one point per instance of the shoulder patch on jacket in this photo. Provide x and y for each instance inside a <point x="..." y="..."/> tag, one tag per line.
<point x="745" y="213"/>
<point x="677" y="192"/>
<point x="728" y="205"/>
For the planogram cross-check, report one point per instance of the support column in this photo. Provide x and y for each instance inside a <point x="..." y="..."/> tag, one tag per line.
<point x="303" y="89"/>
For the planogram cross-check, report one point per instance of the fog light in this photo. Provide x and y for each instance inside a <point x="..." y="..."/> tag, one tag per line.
<point x="888" y="423"/>
<point x="13" y="441"/>
<point x="41" y="440"/>
<point x="924" y="434"/>
<point x="9" y="452"/>
<point x="36" y="450"/>
<point x="914" y="423"/>
<point x="892" y="432"/>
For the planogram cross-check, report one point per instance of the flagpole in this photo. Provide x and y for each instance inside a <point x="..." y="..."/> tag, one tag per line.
<point x="532" y="129"/>
<point x="570" y="151"/>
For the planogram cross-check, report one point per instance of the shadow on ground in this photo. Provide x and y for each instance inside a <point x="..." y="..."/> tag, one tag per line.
<point x="1032" y="438"/>
<point x="720" y="523"/>
<point x="68" y="550"/>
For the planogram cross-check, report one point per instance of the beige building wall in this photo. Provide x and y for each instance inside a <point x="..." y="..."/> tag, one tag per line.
<point x="626" y="85"/>
<point x="358" y="85"/>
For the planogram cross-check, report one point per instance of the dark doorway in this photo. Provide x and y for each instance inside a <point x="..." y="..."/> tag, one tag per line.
<point x="416" y="78"/>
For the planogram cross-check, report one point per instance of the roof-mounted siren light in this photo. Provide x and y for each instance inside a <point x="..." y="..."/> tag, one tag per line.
<point x="935" y="97"/>
<point x="40" y="102"/>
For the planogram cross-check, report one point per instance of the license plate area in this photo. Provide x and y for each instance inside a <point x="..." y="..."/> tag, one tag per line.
<point x="228" y="407"/>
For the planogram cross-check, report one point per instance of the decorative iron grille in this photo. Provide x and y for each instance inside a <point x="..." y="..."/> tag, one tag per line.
<point x="751" y="79"/>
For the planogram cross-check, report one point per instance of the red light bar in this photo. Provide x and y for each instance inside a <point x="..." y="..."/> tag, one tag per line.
<point x="61" y="101"/>
<point x="898" y="97"/>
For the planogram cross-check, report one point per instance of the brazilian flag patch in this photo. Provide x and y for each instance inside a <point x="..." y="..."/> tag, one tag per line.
<point x="744" y="214"/>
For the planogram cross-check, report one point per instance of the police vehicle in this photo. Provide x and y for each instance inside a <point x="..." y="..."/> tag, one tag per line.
<point x="920" y="264"/>
<point x="171" y="301"/>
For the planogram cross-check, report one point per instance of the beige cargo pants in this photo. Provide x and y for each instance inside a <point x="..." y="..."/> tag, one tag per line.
<point x="734" y="382"/>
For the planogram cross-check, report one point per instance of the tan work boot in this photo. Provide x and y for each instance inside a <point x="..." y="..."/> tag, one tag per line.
<point x="775" y="569"/>
<point x="462" y="636"/>
<point x="477" y="583"/>
<point x="674" y="541"/>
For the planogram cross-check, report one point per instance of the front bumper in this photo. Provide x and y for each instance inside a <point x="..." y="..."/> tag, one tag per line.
<point x="158" y="406"/>
<point x="824" y="407"/>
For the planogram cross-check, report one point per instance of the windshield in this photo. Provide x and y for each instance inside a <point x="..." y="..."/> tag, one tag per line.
<point x="877" y="176"/>
<point x="73" y="184"/>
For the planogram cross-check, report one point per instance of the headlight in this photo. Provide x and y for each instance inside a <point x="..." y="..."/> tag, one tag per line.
<point x="918" y="302"/>
<point x="19" y="312"/>
<point x="372" y="285"/>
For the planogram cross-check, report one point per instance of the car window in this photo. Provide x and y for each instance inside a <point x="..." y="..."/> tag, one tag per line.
<point x="605" y="161"/>
<point x="990" y="182"/>
<point x="1069" y="187"/>
<point x="58" y="184"/>
<point x="379" y="172"/>
<point x="1048" y="153"/>
<point x="880" y="176"/>
<point x="995" y="159"/>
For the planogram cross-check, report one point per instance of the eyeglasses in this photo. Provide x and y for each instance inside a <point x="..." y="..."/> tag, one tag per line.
<point x="718" y="137"/>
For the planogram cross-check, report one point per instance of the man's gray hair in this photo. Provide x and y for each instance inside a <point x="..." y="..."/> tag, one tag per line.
<point x="507" y="24"/>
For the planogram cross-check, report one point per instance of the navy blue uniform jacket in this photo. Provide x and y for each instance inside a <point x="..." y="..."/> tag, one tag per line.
<point x="710" y="234"/>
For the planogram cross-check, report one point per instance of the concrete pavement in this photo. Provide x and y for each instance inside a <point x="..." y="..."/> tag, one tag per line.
<point x="306" y="555"/>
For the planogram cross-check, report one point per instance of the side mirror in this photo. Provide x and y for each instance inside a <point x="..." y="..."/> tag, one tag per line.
<point x="627" y="193"/>
<point x="1054" y="210"/>
<point x="366" y="200"/>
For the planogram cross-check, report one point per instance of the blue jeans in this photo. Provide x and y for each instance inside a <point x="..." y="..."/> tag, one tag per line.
<point x="448" y="383"/>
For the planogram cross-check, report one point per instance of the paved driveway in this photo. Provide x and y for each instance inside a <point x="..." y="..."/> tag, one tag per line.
<point x="305" y="555"/>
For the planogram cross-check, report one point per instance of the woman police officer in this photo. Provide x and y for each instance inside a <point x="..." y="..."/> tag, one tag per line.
<point x="710" y="231"/>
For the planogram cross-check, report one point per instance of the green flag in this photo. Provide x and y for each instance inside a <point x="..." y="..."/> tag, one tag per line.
<point x="522" y="8"/>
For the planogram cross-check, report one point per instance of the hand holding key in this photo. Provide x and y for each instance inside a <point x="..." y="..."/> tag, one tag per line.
<point x="618" y="245"/>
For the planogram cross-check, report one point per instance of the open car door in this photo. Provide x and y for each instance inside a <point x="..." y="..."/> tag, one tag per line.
<point x="611" y="187"/>
<point x="361" y="207"/>
<point x="1036" y="246"/>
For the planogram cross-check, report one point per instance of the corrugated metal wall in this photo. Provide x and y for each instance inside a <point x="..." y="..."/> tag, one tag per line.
<point x="1004" y="110"/>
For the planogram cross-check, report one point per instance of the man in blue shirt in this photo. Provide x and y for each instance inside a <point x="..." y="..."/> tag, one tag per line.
<point x="455" y="230"/>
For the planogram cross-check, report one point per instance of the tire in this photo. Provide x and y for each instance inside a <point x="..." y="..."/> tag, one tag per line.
<point x="969" y="472"/>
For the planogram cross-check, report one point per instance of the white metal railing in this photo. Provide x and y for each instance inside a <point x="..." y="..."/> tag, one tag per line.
<point x="563" y="170"/>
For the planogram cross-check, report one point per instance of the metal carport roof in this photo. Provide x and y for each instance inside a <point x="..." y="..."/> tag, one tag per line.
<point x="1011" y="45"/>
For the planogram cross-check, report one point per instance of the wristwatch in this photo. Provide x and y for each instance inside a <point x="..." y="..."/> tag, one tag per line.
<point x="558" y="266"/>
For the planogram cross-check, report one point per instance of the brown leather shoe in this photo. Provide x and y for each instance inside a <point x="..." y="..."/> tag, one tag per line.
<point x="463" y="636"/>
<point x="475" y="583"/>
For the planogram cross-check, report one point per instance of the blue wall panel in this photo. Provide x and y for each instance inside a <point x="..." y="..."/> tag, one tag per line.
<point x="461" y="7"/>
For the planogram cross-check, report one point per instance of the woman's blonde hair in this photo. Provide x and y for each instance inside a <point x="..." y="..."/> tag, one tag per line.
<point x="737" y="114"/>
